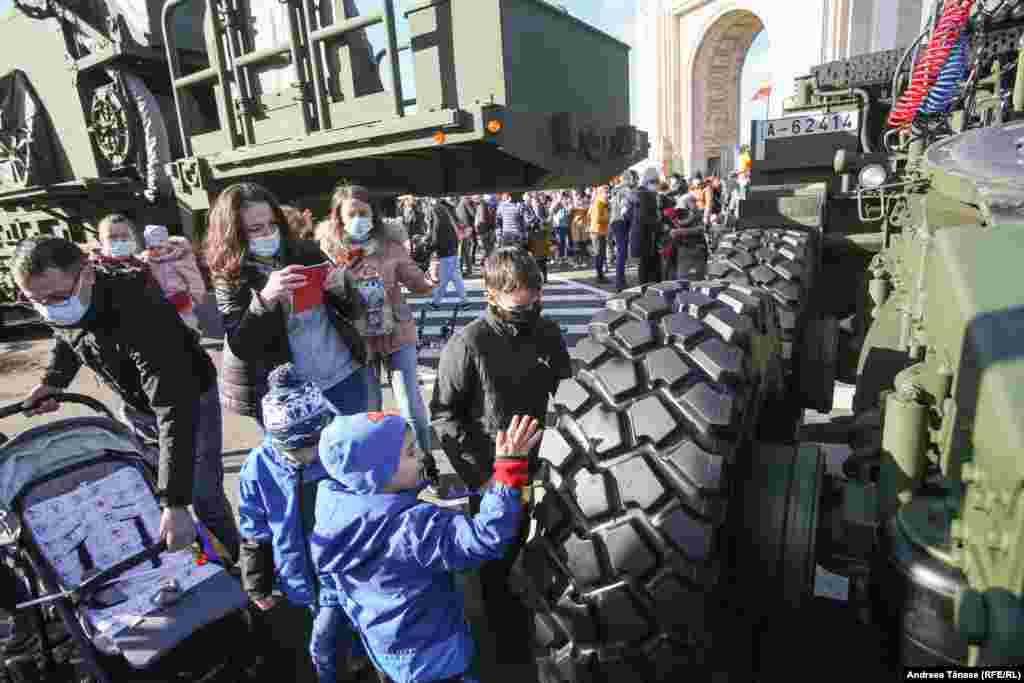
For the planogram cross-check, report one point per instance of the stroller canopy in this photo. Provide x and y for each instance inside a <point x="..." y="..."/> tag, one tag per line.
<point x="43" y="450"/>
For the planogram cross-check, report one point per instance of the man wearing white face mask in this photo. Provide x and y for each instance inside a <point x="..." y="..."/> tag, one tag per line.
<point x="118" y="237"/>
<point x="118" y="323"/>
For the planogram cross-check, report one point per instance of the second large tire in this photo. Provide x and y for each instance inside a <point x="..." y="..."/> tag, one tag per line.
<point x="628" y="548"/>
<point x="779" y="263"/>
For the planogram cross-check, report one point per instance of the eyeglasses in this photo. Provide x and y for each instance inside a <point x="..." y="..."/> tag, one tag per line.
<point x="55" y="299"/>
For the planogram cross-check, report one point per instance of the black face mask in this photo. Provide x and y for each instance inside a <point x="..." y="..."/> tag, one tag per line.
<point x="523" y="317"/>
<point x="428" y="471"/>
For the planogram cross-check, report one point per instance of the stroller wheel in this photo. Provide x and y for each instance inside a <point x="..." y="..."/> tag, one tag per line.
<point x="25" y="639"/>
<point x="23" y="668"/>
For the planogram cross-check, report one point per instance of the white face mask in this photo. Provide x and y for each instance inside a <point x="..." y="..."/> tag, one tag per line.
<point x="67" y="312"/>
<point x="122" y="248"/>
<point x="359" y="227"/>
<point x="265" y="246"/>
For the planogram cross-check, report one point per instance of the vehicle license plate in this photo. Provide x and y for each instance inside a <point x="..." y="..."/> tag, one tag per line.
<point x="816" y="124"/>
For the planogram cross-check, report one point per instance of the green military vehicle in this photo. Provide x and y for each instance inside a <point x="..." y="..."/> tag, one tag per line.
<point x="152" y="107"/>
<point x="693" y="520"/>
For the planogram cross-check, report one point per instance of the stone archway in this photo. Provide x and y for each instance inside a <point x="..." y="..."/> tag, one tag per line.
<point x="715" y="83"/>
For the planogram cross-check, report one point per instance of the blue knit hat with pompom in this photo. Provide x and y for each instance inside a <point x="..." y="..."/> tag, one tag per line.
<point x="294" y="410"/>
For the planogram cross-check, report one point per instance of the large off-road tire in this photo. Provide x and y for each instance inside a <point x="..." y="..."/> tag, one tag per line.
<point x="628" y="548"/>
<point x="780" y="263"/>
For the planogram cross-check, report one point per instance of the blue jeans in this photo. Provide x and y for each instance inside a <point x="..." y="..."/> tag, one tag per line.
<point x="600" y="243"/>
<point x="406" y="385"/>
<point x="562" y="233"/>
<point x="449" y="271"/>
<point x="620" y="231"/>
<point x="351" y="395"/>
<point x="208" y="498"/>
<point x="512" y="239"/>
<point x="332" y="637"/>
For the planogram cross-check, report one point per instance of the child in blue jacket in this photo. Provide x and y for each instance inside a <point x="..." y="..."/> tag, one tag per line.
<point x="391" y="557"/>
<point x="277" y="495"/>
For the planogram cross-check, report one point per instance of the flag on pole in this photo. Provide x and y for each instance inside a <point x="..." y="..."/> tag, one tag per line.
<point x="763" y="93"/>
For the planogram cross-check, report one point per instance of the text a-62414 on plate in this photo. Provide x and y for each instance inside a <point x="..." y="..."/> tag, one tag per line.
<point x="815" y="124"/>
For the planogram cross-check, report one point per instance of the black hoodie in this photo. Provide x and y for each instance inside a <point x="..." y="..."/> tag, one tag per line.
<point x="489" y="372"/>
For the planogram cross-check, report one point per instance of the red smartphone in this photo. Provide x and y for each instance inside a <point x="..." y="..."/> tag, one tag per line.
<point x="312" y="293"/>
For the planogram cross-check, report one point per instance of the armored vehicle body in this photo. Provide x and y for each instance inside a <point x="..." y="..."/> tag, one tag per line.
<point x="689" y="521"/>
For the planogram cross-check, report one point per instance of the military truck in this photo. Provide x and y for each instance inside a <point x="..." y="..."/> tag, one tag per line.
<point x="693" y="520"/>
<point x="152" y="107"/>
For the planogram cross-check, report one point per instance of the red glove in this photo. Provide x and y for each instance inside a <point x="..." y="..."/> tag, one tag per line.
<point x="512" y="472"/>
<point x="666" y="252"/>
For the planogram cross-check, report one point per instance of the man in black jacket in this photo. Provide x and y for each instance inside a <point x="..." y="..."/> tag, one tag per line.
<point x="484" y="224"/>
<point x="507" y="362"/>
<point x="688" y="257"/>
<point x="644" y="220"/>
<point x="442" y="238"/>
<point x="117" y="322"/>
<point x="465" y="215"/>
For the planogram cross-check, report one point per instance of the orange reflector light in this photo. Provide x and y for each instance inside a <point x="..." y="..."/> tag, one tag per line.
<point x="440" y="137"/>
<point x="493" y="126"/>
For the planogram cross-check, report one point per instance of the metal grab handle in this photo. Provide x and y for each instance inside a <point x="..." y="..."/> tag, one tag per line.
<point x="16" y="408"/>
<point x="184" y="125"/>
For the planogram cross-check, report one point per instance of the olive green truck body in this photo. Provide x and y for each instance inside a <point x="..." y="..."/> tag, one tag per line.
<point x="152" y="108"/>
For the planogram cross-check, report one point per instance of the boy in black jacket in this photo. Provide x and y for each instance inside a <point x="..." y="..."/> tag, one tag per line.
<point x="507" y="362"/>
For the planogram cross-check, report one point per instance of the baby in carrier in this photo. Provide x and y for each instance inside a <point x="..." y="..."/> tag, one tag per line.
<point x="174" y="266"/>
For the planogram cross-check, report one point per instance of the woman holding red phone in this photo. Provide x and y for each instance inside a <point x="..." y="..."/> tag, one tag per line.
<point x="257" y="269"/>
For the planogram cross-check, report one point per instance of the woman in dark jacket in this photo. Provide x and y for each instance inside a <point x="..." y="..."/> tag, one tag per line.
<point x="255" y="267"/>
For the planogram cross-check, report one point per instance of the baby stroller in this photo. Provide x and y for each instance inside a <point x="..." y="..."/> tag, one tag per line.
<point x="79" y="523"/>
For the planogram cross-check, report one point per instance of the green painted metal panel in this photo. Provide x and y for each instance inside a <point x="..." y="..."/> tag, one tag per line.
<point x="53" y="81"/>
<point x="975" y="312"/>
<point x="555" y="62"/>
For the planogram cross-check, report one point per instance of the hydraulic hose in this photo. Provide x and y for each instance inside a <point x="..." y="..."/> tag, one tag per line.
<point x="926" y="72"/>
<point x="947" y="86"/>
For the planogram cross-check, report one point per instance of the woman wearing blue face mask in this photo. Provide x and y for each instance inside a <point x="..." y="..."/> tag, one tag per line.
<point x="256" y="267"/>
<point x="378" y="265"/>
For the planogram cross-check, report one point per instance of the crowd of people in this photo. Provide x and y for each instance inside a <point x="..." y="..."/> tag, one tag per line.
<point x="312" y="312"/>
<point x="329" y="523"/>
<point x="581" y="228"/>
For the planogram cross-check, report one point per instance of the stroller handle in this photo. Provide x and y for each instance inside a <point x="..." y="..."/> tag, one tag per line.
<point x="15" y="408"/>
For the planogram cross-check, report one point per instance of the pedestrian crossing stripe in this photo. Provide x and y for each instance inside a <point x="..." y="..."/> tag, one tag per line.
<point x="478" y="286"/>
<point x="435" y="330"/>
<point x="548" y="298"/>
<point x="469" y="314"/>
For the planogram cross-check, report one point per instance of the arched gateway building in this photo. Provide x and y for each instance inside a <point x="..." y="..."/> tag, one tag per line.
<point x="690" y="55"/>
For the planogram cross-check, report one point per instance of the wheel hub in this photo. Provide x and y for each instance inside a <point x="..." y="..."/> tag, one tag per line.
<point x="111" y="127"/>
